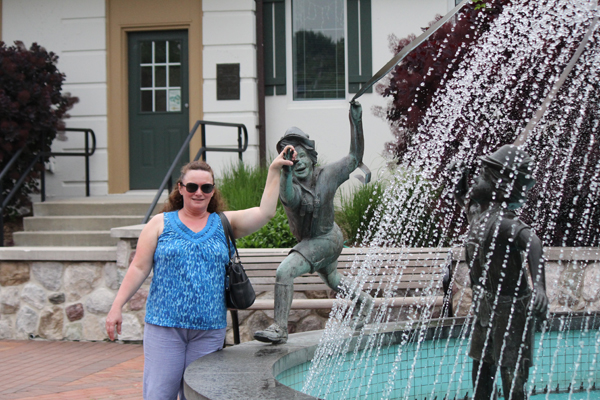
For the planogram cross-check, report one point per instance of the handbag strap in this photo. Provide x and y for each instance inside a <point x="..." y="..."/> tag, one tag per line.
<point x="228" y="234"/>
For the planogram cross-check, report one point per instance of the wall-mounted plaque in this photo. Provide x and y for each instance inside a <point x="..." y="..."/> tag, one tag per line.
<point x="228" y="81"/>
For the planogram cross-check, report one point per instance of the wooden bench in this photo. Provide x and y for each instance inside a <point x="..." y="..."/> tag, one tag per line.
<point x="421" y="269"/>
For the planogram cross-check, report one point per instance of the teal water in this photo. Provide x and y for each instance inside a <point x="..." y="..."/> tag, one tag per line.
<point x="442" y="367"/>
<point x="595" y="395"/>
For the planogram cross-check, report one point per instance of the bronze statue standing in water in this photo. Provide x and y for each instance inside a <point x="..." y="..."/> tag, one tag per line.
<point x="505" y="305"/>
<point x="307" y="194"/>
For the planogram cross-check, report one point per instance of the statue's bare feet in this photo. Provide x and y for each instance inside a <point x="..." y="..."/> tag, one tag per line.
<point x="273" y="334"/>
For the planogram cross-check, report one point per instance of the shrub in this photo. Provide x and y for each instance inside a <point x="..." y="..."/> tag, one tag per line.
<point x="358" y="208"/>
<point x="276" y="234"/>
<point x="32" y="109"/>
<point x="407" y="196"/>
<point x="242" y="187"/>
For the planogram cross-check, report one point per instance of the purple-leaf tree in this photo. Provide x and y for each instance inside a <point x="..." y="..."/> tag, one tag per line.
<point x="564" y="207"/>
<point x="32" y="109"/>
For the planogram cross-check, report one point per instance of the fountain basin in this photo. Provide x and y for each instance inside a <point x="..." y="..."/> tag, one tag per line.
<point x="255" y="370"/>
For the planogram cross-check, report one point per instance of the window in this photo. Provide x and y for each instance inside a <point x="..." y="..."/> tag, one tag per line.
<point x="274" y="41"/>
<point x="359" y="45"/>
<point x="160" y="67"/>
<point x="318" y="47"/>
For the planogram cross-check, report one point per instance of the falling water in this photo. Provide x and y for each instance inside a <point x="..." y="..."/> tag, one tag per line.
<point x="524" y="51"/>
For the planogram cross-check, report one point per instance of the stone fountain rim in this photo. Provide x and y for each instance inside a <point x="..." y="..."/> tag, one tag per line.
<point x="249" y="370"/>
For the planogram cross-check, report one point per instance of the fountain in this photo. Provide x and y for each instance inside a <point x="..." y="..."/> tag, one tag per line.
<point x="526" y="48"/>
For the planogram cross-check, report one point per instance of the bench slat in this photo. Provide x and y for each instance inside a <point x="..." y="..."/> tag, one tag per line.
<point x="315" y="304"/>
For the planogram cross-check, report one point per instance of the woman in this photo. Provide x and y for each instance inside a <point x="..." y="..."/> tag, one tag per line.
<point x="186" y="247"/>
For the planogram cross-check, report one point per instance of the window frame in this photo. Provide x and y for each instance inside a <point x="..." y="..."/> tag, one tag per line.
<point x="278" y="54"/>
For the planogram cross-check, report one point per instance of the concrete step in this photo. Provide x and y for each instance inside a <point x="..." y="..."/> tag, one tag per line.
<point x="79" y="222"/>
<point x="99" y="207"/>
<point x="84" y="221"/>
<point x="64" y="238"/>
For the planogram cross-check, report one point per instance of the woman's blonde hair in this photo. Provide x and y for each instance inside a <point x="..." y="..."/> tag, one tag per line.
<point x="175" y="200"/>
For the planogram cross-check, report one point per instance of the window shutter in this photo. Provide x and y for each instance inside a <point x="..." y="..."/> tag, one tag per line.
<point x="359" y="44"/>
<point x="274" y="42"/>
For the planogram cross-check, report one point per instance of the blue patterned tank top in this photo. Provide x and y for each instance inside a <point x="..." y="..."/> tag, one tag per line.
<point x="188" y="286"/>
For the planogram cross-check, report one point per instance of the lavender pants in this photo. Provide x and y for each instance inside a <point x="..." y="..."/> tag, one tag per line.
<point x="168" y="352"/>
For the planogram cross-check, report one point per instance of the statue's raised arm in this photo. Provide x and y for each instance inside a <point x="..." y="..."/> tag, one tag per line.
<point x="357" y="138"/>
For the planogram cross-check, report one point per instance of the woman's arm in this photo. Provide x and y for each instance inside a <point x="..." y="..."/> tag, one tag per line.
<point x="245" y="222"/>
<point x="138" y="271"/>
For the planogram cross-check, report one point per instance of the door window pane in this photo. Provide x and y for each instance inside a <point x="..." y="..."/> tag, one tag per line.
<point x="174" y="51"/>
<point x="160" y="100"/>
<point x="147" y="101"/>
<point x="161" y="77"/>
<point x="146" y="77"/>
<point x="318" y="28"/>
<point x="175" y="76"/>
<point x="160" y="51"/>
<point x="156" y="59"/>
<point x="146" y="52"/>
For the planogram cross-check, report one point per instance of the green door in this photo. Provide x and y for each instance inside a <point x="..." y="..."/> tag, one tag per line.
<point x="158" y="105"/>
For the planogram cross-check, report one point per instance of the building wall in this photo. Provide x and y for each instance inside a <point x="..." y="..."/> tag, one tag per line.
<point x="326" y="121"/>
<point x="229" y="37"/>
<point x="75" y="31"/>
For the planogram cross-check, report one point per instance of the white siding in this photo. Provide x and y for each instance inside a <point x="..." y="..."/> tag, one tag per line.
<point x="229" y="36"/>
<point x="74" y="30"/>
<point x="326" y="121"/>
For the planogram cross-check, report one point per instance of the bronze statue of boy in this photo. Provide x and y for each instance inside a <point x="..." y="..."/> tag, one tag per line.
<point x="505" y="306"/>
<point x="307" y="194"/>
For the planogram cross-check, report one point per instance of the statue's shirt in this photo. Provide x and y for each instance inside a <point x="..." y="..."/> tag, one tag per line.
<point x="495" y="258"/>
<point x="310" y="210"/>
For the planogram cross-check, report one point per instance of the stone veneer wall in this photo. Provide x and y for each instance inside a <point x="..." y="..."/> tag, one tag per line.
<point x="57" y="294"/>
<point x="572" y="281"/>
<point x="66" y="293"/>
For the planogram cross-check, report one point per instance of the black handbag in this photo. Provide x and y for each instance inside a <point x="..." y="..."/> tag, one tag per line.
<point x="239" y="293"/>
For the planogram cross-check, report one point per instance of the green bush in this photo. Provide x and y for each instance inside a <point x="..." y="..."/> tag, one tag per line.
<point x="357" y="210"/>
<point x="408" y="197"/>
<point x="242" y="187"/>
<point x="276" y="234"/>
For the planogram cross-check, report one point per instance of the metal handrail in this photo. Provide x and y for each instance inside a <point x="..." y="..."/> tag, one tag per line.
<point x="167" y="181"/>
<point x="87" y="153"/>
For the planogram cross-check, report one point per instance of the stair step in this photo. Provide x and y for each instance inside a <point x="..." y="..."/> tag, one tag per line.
<point x="64" y="238"/>
<point x="79" y="222"/>
<point x="91" y="208"/>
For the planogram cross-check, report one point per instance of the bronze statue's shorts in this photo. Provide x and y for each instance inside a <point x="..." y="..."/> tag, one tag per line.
<point x="322" y="251"/>
<point x="509" y="338"/>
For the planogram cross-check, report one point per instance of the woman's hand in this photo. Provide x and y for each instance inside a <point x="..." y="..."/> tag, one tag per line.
<point x="114" y="320"/>
<point x="285" y="159"/>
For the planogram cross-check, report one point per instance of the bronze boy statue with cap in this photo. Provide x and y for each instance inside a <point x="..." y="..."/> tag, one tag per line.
<point x="307" y="194"/>
<point x="498" y="247"/>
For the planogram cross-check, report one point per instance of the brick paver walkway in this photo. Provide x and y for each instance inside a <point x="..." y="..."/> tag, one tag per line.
<point x="45" y="370"/>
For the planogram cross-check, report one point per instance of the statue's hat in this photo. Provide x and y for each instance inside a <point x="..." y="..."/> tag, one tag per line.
<point x="512" y="162"/>
<point x="295" y="136"/>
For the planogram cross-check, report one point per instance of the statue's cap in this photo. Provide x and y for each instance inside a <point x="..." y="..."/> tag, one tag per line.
<point x="295" y="136"/>
<point x="510" y="159"/>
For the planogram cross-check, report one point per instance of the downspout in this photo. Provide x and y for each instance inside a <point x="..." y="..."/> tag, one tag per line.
<point x="260" y="81"/>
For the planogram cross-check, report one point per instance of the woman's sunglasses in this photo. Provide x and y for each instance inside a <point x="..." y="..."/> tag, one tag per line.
<point x="193" y="187"/>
